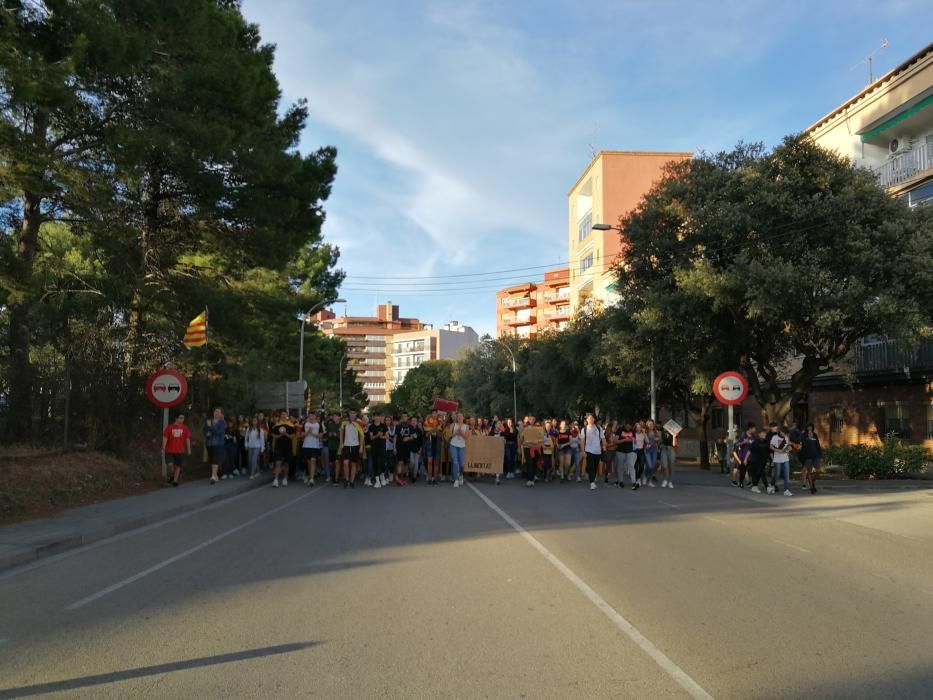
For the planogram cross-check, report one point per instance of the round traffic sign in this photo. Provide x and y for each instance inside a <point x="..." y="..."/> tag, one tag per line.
<point x="166" y="388"/>
<point x="730" y="388"/>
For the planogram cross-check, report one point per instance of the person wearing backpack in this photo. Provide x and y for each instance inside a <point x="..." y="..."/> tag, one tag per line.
<point x="594" y="444"/>
<point x="780" y="450"/>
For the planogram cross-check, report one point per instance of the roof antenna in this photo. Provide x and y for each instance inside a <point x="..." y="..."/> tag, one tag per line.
<point x="869" y="60"/>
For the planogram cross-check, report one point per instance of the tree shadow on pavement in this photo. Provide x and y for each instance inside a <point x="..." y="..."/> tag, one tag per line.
<point x="171" y="667"/>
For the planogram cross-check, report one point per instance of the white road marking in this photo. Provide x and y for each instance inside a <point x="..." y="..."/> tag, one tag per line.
<point x="716" y="520"/>
<point x="171" y="560"/>
<point x="659" y="657"/>
<point x="669" y="505"/>
<point x="121" y="536"/>
<point x="792" y="546"/>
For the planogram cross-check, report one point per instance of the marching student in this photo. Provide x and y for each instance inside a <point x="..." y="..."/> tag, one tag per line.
<point x="810" y="455"/>
<point x="510" y="436"/>
<point x="625" y="455"/>
<point x="667" y="456"/>
<point x="759" y="452"/>
<point x="282" y="432"/>
<point x="458" y="434"/>
<point x="594" y="444"/>
<point x="780" y="457"/>
<point x="352" y="447"/>
<point x="376" y="440"/>
<point x="311" y="446"/>
<point x="404" y="437"/>
<point x="432" y="449"/>
<point x="564" y="456"/>
<point x="176" y="444"/>
<point x="255" y="445"/>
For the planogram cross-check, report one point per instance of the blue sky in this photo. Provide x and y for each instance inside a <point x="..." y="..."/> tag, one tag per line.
<point x="460" y="126"/>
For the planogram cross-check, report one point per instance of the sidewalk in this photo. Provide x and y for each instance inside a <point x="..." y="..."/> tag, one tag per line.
<point x="693" y="475"/>
<point x="22" y="543"/>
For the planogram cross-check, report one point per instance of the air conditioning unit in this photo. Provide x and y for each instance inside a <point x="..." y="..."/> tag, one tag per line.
<point x="899" y="145"/>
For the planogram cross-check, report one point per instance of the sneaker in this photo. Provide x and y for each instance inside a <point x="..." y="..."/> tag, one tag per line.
<point x="253" y="476"/>
<point x="327" y="480"/>
<point x="579" y="480"/>
<point x="735" y="483"/>
<point x="377" y="484"/>
<point x="742" y="485"/>
<point x="352" y="484"/>
<point x="813" y="489"/>
<point x="383" y="480"/>
<point x="755" y="489"/>
<point x="635" y="486"/>
<point x="788" y="492"/>
<point x="510" y="475"/>
<point x="529" y="484"/>
<point x="391" y="478"/>
<point x="285" y="482"/>
<point x="461" y="480"/>
<point x="664" y="484"/>
<point x="174" y="483"/>
<point x="275" y="483"/>
<point x="368" y="482"/>
<point x="651" y="484"/>
<point x="497" y="480"/>
<point x="670" y="484"/>
<point x="770" y="489"/>
<point x="310" y="482"/>
<point x="223" y="477"/>
<point x="592" y="486"/>
<point x="457" y="484"/>
<point x="213" y="480"/>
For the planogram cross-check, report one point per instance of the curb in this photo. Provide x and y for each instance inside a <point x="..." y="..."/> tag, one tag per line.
<point x="52" y="547"/>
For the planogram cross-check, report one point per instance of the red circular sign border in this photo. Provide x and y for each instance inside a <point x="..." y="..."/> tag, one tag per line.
<point x="172" y="373"/>
<point x="732" y="375"/>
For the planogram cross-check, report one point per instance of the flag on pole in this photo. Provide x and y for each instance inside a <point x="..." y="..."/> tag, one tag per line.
<point x="196" y="335"/>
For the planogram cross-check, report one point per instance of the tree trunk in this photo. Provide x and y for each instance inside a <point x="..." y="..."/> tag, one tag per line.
<point x="700" y="415"/>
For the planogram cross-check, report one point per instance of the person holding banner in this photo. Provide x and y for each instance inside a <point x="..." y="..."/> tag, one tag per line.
<point x="458" y="435"/>
<point x="532" y="444"/>
<point x="667" y="457"/>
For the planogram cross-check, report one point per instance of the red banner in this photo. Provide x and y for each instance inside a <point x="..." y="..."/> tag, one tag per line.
<point x="445" y="405"/>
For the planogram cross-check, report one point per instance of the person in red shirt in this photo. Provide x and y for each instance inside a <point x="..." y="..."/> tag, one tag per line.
<point x="176" y="443"/>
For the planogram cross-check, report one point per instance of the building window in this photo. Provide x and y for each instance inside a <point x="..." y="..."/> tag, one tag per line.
<point x="585" y="226"/>
<point x="894" y="418"/>
<point x="586" y="263"/>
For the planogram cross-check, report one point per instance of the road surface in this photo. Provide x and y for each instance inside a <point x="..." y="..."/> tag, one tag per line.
<point x="489" y="592"/>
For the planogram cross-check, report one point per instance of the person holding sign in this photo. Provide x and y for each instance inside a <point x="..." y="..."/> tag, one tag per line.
<point x="432" y="449"/>
<point x="532" y="444"/>
<point x="594" y="444"/>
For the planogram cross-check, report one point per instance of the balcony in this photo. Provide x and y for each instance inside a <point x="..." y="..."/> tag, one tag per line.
<point x="558" y="297"/>
<point x="516" y="322"/>
<point x="906" y="166"/>
<point x="555" y="315"/>
<point x="525" y="302"/>
<point x="889" y="356"/>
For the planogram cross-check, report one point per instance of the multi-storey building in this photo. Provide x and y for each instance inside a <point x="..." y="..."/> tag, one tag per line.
<point x="888" y="128"/>
<point x="610" y="187"/>
<point x="527" y="308"/>
<point x="369" y="345"/>
<point x="411" y="348"/>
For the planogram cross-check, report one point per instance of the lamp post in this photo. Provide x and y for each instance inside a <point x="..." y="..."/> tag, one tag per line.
<point x="340" y="380"/>
<point x="514" y="392"/>
<point x="301" y="343"/>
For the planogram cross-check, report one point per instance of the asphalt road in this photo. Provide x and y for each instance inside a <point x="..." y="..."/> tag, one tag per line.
<point x="489" y="592"/>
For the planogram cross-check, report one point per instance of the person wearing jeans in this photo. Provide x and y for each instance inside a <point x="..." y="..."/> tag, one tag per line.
<point x="458" y="433"/>
<point x="255" y="444"/>
<point x="780" y="449"/>
<point x="594" y="444"/>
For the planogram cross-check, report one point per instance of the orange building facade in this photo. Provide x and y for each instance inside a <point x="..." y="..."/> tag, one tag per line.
<point x="529" y="308"/>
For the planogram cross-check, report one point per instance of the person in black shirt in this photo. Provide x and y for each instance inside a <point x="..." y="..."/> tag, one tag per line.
<point x="510" y="435"/>
<point x="416" y="442"/>
<point x="376" y="447"/>
<point x="281" y="437"/>
<point x="625" y="455"/>
<point x="759" y="453"/>
<point x="403" y="438"/>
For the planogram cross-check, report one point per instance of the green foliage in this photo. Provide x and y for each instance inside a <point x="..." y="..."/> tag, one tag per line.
<point x="893" y="459"/>
<point x="431" y="380"/>
<point x="155" y="129"/>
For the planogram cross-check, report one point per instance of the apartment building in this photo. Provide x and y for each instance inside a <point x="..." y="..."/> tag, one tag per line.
<point x="611" y="186"/>
<point x="528" y="308"/>
<point x="369" y="344"/>
<point x="887" y="128"/>
<point x="411" y="348"/>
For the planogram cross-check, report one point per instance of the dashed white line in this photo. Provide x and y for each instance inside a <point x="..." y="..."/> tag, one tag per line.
<point x="122" y="536"/>
<point x="669" y="505"/>
<point x="694" y="689"/>
<point x="792" y="546"/>
<point x="171" y="560"/>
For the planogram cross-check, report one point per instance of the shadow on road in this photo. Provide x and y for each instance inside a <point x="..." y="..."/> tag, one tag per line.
<point x="129" y="674"/>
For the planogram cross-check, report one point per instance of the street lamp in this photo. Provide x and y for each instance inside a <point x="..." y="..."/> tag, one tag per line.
<point x="514" y="392"/>
<point x="340" y="379"/>
<point x="304" y="320"/>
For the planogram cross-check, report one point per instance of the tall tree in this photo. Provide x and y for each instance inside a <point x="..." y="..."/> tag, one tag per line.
<point x="430" y="380"/>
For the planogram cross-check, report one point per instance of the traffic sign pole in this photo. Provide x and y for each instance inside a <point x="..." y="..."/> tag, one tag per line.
<point x="164" y="426"/>
<point x="730" y="388"/>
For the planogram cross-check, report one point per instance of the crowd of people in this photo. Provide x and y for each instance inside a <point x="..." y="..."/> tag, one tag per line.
<point x="380" y="450"/>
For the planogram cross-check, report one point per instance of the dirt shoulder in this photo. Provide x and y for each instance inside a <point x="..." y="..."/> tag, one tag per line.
<point x="38" y="483"/>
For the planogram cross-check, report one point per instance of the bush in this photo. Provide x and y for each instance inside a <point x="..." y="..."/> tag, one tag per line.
<point x="893" y="459"/>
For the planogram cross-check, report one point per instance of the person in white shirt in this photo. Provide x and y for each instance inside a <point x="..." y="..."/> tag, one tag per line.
<point x="458" y="434"/>
<point x="594" y="444"/>
<point x="780" y="458"/>
<point x="311" y="446"/>
<point x="255" y="446"/>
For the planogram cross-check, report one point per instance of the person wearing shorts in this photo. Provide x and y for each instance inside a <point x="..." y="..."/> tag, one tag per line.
<point x="352" y="447"/>
<point x="176" y="444"/>
<point x="311" y="446"/>
<point x="431" y="450"/>
<point x="282" y="432"/>
<point x="667" y="456"/>
<point x="214" y="432"/>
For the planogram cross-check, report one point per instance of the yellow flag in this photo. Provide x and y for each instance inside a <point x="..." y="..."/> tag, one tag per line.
<point x="196" y="335"/>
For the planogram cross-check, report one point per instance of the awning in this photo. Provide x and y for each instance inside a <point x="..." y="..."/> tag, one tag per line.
<point x="926" y="102"/>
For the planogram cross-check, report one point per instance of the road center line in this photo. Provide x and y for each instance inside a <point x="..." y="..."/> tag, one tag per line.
<point x="792" y="546"/>
<point x="171" y="560"/>
<point x="659" y="657"/>
<point x="122" y="536"/>
<point x="669" y="505"/>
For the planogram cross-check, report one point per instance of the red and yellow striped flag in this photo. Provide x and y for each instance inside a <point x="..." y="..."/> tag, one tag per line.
<point x="196" y="335"/>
